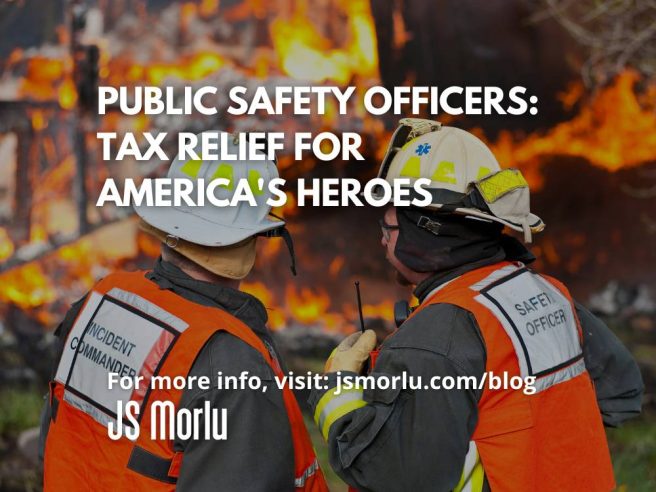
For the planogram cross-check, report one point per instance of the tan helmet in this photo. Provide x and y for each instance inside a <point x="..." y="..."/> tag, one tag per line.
<point x="465" y="177"/>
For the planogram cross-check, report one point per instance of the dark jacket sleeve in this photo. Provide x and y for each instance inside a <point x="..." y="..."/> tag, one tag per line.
<point x="258" y="427"/>
<point x="617" y="379"/>
<point x="61" y="332"/>
<point x="412" y="439"/>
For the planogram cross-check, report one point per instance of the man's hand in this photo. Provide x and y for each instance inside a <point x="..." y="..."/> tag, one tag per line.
<point x="351" y="354"/>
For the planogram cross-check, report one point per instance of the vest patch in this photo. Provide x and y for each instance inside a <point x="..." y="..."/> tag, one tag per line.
<point x="111" y="336"/>
<point x="541" y="324"/>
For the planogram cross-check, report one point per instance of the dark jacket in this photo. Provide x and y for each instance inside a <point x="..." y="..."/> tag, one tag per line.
<point x="417" y="440"/>
<point x="258" y="454"/>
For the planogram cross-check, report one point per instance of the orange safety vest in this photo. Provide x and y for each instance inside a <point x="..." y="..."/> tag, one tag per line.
<point x="553" y="439"/>
<point x="130" y="326"/>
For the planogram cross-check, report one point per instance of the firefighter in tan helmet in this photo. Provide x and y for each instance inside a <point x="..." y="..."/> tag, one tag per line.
<point x="484" y="319"/>
<point x="184" y="317"/>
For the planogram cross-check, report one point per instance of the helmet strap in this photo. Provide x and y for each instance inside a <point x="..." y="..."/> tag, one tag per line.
<point x="284" y="233"/>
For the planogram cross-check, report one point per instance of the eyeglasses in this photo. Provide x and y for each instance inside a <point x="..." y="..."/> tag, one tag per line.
<point x="386" y="228"/>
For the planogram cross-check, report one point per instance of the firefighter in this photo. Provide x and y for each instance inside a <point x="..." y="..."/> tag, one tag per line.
<point x="482" y="314"/>
<point x="185" y="316"/>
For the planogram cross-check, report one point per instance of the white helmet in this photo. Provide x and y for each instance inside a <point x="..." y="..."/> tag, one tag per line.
<point x="211" y="225"/>
<point x="465" y="176"/>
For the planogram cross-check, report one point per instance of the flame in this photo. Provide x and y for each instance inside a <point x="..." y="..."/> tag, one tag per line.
<point x="307" y="55"/>
<point x="302" y="53"/>
<point x="38" y="120"/>
<point x="306" y="306"/>
<point x="259" y="290"/>
<point x="41" y="74"/>
<point x="6" y="245"/>
<point x="53" y="210"/>
<point x="67" y="94"/>
<point x="70" y="271"/>
<point x="46" y="79"/>
<point x="383" y="310"/>
<point x="193" y="67"/>
<point x="303" y="306"/>
<point x="208" y="8"/>
<point x="609" y="131"/>
<point x="27" y="287"/>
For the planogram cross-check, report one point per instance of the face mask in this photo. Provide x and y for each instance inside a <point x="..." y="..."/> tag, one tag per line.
<point x="430" y="242"/>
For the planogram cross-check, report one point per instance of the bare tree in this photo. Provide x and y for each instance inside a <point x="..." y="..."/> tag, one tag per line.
<point x="617" y="33"/>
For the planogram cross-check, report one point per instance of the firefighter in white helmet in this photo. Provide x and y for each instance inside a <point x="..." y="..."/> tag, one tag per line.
<point x="484" y="319"/>
<point x="185" y="317"/>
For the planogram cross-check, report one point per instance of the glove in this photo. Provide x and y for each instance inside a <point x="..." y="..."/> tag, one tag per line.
<point x="352" y="353"/>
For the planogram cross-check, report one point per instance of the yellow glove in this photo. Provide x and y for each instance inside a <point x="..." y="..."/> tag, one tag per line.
<point x="352" y="353"/>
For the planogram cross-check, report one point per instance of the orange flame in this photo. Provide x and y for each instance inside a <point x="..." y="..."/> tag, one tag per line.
<point x="47" y="79"/>
<point x="306" y="306"/>
<point x="27" y="287"/>
<point x="383" y="310"/>
<point x="305" y="54"/>
<point x="193" y="67"/>
<point x="610" y="131"/>
<point x="67" y="94"/>
<point x="38" y="121"/>
<point x="6" y="245"/>
<point x="208" y="7"/>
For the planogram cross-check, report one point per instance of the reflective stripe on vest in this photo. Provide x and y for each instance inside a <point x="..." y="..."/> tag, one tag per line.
<point x="473" y="476"/>
<point x="539" y="320"/>
<point x="131" y="326"/>
<point x="550" y="440"/>
<point x="299" y="482"/>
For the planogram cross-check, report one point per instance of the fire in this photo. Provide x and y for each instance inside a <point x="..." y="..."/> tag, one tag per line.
<point x="192" y="67"/>
<point x="259" y="290"/>
<point x="42" y="73"/>
<point x="302" y="305"/>
<point x="306" y="306"/>
<point x="67" y="94"/>
<point x="609" y="131"/>
<point x="208" y="7"/>
<point x="384" y="310"/>
<point x="27" y="287"/>
<point x="70" y="271"/>
<point x="53" y="209"/>
<point x="38" y="120"/>
<point x="307" y="55"/>
<point x="302" y="52"/>
<point x="46" y="79"/>
<point x="6" y="245"/>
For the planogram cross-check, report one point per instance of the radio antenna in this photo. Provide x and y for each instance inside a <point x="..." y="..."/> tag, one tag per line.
<point x="357" y="292"/>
